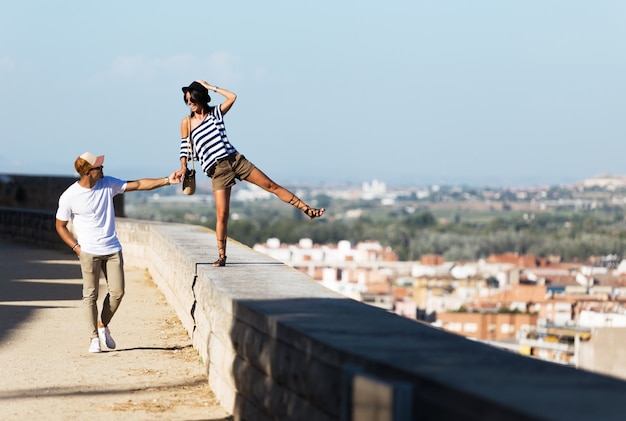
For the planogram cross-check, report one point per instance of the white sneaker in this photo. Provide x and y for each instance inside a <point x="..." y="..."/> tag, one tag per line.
<point x="95" y="345"/>
<point x="105" y="336"/>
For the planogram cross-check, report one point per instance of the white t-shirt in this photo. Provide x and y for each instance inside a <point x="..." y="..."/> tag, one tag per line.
<point x="92" y="213"/>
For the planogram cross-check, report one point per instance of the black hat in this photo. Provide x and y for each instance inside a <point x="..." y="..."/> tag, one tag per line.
<point x="196" y="86"/>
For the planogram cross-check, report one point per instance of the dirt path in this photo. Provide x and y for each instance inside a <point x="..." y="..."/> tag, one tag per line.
<point x="47" y="373"/>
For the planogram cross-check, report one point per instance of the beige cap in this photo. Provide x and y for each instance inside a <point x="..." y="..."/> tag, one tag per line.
<point x="94" y="161"/>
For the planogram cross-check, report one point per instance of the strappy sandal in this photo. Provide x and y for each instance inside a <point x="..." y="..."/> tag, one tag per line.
<point x="308" y="211"/>
<point x="313" y="212"/>
<point x="221" y="260"/>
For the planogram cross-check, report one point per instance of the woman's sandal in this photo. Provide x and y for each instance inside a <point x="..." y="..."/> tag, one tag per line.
<point x="308" y="211"/>
<point x="221" y="260"/>
<point x="313" y="212"/>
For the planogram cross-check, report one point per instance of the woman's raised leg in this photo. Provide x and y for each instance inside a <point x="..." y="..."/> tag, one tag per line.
<point x="258" y="177"/>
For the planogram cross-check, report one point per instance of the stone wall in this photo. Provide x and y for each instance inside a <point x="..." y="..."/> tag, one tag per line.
<point x="28" y="205"/>
<point x="34" y="227"/>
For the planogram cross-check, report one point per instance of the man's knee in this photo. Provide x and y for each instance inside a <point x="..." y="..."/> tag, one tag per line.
<point x="90" y="294"/>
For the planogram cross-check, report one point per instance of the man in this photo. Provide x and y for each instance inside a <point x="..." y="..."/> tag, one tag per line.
<point x="88" y="203"/>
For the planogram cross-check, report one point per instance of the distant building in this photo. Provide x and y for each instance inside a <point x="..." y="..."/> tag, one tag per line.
<point x="606" y="181"/>
<point x="374" y="190"/>
<point x="486" y="326"/>
<point x="362" y="272"/>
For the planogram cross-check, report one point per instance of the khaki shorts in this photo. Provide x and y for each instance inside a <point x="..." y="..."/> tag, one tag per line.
<point x="226" y="170"/>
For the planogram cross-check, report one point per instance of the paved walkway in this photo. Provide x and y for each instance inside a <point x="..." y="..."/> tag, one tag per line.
<point x="46" y="372"/>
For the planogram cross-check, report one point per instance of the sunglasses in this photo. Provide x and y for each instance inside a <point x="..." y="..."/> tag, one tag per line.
<point x="97" y="168"/>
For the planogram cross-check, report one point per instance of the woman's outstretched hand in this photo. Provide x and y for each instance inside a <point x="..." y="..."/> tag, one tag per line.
<point x="176" y="177"/>
<point x="180" y="173"/>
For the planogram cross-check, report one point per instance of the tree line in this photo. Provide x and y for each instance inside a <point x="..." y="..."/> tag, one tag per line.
<point x="571" y="236"/>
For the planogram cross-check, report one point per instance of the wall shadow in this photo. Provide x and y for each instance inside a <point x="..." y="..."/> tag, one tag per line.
<point x="30" y="275"/>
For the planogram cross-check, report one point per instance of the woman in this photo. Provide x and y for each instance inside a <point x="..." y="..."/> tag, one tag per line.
<point x="219" y="158"/>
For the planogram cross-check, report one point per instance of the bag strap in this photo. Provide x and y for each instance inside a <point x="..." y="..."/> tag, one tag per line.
<point x="190" y="143"/>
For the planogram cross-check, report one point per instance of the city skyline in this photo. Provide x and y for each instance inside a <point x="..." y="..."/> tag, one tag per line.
<point x="420" y="93"/>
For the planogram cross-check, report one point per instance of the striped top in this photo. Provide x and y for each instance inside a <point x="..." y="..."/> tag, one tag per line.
<point x="210" y="142"/>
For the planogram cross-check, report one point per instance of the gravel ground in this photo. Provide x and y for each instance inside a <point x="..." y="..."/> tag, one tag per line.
<point x="47" y="373"/>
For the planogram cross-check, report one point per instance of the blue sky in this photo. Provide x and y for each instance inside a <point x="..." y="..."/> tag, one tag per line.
<point x="407" y="92"/>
